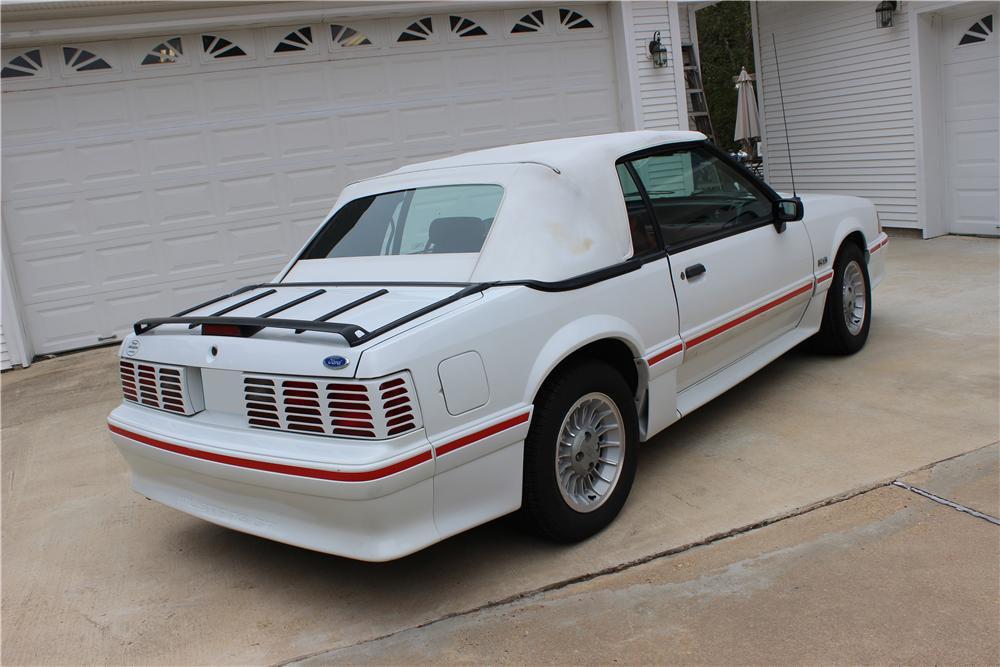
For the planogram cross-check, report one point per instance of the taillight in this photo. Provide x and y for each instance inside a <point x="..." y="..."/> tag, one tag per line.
<point x="161" y="386"/>
<point x="371" y="409"/>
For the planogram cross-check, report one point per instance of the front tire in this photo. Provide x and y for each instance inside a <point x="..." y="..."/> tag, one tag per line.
<point x="581" y="452"/>
<point x="848" y="313"/>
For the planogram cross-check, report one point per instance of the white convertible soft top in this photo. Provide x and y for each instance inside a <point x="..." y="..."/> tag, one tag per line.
<point x="562" y="215"/>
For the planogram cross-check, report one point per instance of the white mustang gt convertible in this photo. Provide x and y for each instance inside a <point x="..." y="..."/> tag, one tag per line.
<point x="490" y="332"/>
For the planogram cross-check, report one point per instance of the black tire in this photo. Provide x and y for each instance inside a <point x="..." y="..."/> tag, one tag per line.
<point x="543" y="507"/>
<point x="834" y="337"/>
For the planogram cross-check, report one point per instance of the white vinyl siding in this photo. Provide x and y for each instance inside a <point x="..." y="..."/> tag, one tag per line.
<point x="657" y="86"/>
<point x="849" y="100"/>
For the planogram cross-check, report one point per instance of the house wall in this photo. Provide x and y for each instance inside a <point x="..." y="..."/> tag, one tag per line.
<point x="661" y="107"/>
<point x="648" y="96"/>
<point x="849" y="101"/>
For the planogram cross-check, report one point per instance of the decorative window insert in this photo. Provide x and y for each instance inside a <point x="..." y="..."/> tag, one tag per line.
<point x="465" y="27"/>
<point x="533" y="21"/>
<point x="418" y="31"/>
<point x="218" y="48"/>
<point x="81" y="60"/>
<point x="347" y="37"/>
<point x="164" y="53"/>
<point x="980" y="31"/>
<point x="573" y="20"/>
<point x="370" y="409"/>
<point x="27" y="64"/>
<point x="297" y="40"/>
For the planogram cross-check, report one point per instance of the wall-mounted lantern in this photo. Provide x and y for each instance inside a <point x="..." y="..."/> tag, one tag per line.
<point x="884" y="12"/>
<point x="657" y="52"/>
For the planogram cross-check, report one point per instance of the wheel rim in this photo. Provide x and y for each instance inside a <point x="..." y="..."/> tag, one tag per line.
<point x="855" y="300"/>
<point x="590" y="452"/>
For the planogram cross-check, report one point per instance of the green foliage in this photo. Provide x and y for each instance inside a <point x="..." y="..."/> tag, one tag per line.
<point x="725" y="43"/>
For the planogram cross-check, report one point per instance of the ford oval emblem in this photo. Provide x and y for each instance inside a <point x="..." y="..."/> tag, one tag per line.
<point x="335" y="362"/>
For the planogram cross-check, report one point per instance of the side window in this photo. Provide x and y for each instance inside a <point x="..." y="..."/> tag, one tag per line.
<point x="695" y="195"/>
<point x="639" y="223"/>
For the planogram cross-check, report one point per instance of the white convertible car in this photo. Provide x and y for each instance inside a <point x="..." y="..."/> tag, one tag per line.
<point x="490" y="332"/>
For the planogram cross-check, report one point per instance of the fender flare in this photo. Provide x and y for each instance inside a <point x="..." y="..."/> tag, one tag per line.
<point x="850" y="224"/>
<point x="574" y="336"/>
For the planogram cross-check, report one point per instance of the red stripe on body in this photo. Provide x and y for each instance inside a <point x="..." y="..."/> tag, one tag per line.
<point x="657" y="358"/>
<point x="753" y="313"/>
<point x="296" y="471"/>
<point x="482" y="434"/>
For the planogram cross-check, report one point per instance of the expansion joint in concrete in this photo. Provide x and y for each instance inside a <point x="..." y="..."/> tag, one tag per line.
<point x="949" y="503"/>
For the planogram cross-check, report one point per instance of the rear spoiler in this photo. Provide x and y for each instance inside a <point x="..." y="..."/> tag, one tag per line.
<point x="354" y="334"/>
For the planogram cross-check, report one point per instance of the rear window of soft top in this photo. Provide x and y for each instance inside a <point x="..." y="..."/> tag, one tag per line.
<point x="418" y="221"/>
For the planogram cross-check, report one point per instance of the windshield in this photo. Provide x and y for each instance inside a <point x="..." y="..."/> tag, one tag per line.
<point x="432" y="220"/>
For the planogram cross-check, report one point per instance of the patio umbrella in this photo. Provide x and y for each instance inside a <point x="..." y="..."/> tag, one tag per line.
<point x="747" y="122"/>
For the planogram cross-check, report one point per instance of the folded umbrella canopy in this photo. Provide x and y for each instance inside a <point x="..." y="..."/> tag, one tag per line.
<point x="747" y="122"/>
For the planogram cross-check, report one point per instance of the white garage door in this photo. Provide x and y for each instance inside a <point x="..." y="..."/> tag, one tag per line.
<point x="141" y="176"/>
<point x="971" y="74"/>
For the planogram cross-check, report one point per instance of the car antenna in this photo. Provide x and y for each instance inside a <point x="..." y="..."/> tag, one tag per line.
<point x="784" y="118"/>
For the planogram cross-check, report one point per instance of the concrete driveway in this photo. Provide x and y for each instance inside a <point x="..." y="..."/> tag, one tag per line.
<point x="93" y="573"/>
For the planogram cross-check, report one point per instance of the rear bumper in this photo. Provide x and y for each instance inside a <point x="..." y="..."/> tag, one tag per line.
<point x="302" y="490"/>
<point x="377" y="510"/>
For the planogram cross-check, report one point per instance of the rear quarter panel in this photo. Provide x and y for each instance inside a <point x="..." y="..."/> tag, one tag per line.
<point x="522" y="334"/>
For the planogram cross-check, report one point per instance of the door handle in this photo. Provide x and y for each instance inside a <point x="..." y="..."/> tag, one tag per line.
<point x="693" y="271"/>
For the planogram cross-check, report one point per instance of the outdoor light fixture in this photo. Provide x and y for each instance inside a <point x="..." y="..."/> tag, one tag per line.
<point x="883" y="13"/>
<point x="657" y="51"/>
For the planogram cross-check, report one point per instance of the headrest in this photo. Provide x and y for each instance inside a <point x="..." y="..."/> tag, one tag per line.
<point x="458" y="234"/>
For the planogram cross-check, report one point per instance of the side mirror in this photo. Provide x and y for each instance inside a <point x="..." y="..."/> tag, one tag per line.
<point x="787" y="210"/>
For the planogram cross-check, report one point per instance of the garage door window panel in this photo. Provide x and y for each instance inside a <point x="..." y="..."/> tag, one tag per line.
<point x="85" y="59"/>
<point x="344" y="36"/>
<point x="25" y="64"/>
<point x="697" y="197"/>
<point x="421" y="30"/>
<point x="465" y="27"/>
<point x="533" y="21"/>
<point x="434" y="220"/>
<point x="226" y="48"/>
<point x="167" y="52"/>
<point x="293" y="41"/>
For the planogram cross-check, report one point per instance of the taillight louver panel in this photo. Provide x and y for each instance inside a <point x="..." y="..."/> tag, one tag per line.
<point x="350" y="409"/>
<point x="160" y="386"/>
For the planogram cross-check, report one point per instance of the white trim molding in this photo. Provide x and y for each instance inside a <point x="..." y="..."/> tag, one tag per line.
<point x="626" y="68"/>
<point x="14" y="336"/>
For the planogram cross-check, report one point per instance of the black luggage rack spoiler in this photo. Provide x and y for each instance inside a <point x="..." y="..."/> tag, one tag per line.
<point x="352" y="333"/>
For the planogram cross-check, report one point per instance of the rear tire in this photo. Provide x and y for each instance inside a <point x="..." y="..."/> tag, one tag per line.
<point x="576" y="478"/>
<point x="848" y="313"/>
